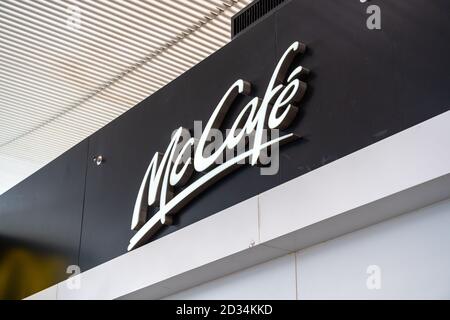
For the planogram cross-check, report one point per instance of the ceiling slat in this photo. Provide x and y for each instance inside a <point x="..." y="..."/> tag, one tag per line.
<point x="60" y="81"/>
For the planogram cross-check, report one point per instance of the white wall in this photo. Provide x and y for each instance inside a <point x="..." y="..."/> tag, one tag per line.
<point x="412" y="252"/>
<point x="270" y="280"/>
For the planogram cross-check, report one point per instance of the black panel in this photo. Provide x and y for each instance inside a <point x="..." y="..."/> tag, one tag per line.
<point x="40" y="225"/>
<point x="129" y="143"/>
<point x="365" y="86"/>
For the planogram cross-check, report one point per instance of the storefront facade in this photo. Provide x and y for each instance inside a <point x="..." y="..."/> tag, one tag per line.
<point x="361" y="193"/>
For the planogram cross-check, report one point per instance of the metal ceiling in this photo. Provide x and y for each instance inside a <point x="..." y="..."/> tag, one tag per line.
<point x="67" y="68"/>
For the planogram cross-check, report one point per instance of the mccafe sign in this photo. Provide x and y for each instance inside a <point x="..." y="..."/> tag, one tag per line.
<point x="183" y="157"/>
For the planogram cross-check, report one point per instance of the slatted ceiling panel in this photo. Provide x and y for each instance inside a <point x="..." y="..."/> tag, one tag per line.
<point x="59" y="84"/>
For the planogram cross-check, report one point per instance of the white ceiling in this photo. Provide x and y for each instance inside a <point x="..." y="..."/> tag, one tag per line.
<point x="67" y="68"/>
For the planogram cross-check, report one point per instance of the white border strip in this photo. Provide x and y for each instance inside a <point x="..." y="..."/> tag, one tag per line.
<point x="401" y="173"/>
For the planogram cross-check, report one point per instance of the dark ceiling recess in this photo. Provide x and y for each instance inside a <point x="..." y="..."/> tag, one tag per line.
<point x="251" y="14"/>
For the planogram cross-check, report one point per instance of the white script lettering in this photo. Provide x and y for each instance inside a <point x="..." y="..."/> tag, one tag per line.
<point x="276" y="110"/>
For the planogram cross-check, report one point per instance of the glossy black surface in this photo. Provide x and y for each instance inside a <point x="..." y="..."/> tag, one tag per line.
<point x="40" y="224"/>
<point x="365" y="86"/>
